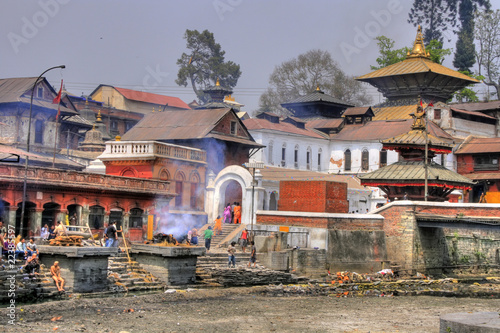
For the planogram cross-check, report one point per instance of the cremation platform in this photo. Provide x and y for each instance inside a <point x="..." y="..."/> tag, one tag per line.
<point x="84" y="269"/>
<point x="174" y="265"/>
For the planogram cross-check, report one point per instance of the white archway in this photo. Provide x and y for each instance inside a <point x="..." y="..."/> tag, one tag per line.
<point x="215" y="192"/>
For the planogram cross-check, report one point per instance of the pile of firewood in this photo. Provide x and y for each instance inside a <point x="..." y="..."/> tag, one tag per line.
<point x="66" y="241"/>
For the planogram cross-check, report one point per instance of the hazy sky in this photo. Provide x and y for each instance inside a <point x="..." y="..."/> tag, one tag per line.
<point x="135" y="44"/>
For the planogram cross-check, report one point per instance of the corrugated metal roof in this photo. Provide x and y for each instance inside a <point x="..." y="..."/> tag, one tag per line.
<point x="479" y="106"/>
<point x="483" y="176"/>
<point x="152" y="98"/>
<point x="473" y="113"/>
<point x="394" y="112"/>
<point x="380" y="130"/>
<point x="175" y="125"/>
<point x="14" y="151"/>
<point x="235" y="139"/>
<point x="325" y="123"/>
<point x="479" y="146"/>
<point x="358" y="111"/>
<point x="411" y="171"/>
<point x="264" y="124"/>
<point x="278" y="174"/>
<point x="417" y="138"/>
<point x="415" y="66"/>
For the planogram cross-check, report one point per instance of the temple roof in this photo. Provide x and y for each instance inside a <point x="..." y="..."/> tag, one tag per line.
<point x="413" y="173"/>
<point x="417" y="75"/>
<point x="316" y="104"/>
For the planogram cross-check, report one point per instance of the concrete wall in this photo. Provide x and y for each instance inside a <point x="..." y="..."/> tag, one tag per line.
<point x="356" y="250"/>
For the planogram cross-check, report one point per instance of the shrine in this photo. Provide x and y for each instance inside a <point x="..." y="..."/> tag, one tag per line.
<point x="409" y="178"/>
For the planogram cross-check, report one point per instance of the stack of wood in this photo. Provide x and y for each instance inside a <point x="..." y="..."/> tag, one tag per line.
<point x="66" y="241"/>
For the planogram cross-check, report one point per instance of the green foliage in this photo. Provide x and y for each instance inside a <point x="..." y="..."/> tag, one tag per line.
<point x="435" y="48"/>
<point x="465" y="49"/>
<point x="467" y="94"/>
<point x="388" y="55"/>
<point x="204" y="64"/>
<point x="302" y="75"/>
<point x="479" y="255"/>
<point x="464" y="259"/>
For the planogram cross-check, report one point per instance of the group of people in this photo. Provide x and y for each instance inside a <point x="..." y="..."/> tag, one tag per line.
<point x="231" y="250"/>
<point x="50" y="233"/>
<point x="232" y="213"/>
<point x="28" y="251"/>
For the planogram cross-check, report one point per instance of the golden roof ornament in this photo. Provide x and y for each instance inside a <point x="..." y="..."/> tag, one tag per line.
<point x="217" y="84"/>
<point x="317" y="88"/>
<point x="418" y="50"/>
<point x="419" y="118"/>
<point x="153" y="109"/>
<point x="99" y="119"/>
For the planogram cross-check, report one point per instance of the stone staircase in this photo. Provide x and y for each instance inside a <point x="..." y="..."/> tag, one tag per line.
<point x="28" y="288"/>
<point x="130" y="276"/>
<point x="227" y="229"/>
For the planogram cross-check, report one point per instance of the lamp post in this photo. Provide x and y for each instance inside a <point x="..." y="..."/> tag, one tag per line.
<point x="253" y="165"/>
<point x="23" y="205"/>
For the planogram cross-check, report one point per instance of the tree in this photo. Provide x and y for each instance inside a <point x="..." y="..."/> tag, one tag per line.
<point x="435" y="17"/>
<point x="467" y="94"/>
<point x="204" y="64"/>
<point x="389" y="56"/>
<point x="302" y="75"/>
<point x="487" y="33"/>
<point x="465" y="51"/>
<point x="435" y="49"/>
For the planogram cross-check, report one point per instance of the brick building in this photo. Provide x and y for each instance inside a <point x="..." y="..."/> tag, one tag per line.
<point x="477" y="159"/>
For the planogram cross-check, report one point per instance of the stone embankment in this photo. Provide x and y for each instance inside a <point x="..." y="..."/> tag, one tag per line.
<point x="471" y="287"/>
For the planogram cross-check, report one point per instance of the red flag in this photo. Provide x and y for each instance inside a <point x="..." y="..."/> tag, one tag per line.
<point x="421" y="104"/>
<point x="57" y="100"/>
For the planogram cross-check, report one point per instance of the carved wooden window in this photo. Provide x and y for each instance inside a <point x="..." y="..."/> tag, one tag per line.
<point x="347" y="160"/>
<point x="365" y="160"/>
<point x="135" y="218"/>
<point x="383" y="158"/>
<point x="96" y="217"/>
<point x="39" y="131"/>
<point x="270" y="153"/>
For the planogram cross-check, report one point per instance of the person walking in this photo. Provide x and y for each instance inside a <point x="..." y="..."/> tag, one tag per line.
<point x="231" y="250"/>
<point x="237" y="213"/>
<point x="244" y="239"/>
<point x="253" y="255"/>
<point x="227" y="213"/>
<point x="208" y="237"/>
<point x="111" y="234"/>
<point x="218" y="226"/>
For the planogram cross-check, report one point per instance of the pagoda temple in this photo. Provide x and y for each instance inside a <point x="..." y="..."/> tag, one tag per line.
<point x="407" y="178"/>
<point x="405" y="82"/>
<point x="217" y="94"/>
<point x="316" y="105"/>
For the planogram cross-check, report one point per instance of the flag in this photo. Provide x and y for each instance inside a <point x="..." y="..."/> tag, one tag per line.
<point x="421" y="104"/>
<point x="57" y="100"/>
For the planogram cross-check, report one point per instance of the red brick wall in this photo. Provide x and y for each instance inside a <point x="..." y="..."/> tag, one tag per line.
<point x="321" y="222"/>
<point x="313" y="196"/>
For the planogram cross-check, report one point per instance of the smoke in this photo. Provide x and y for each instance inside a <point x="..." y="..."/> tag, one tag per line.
<point x="177" y="224"/>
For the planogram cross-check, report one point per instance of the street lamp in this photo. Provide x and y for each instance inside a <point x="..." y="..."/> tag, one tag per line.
<point x="23" y="205"/>
<point x="253" y="165"/>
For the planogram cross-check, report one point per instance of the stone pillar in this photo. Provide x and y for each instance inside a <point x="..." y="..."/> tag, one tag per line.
<point x="84" y="217"/>
<point x="12" y="216"/>
<point x="210" y="209"/>
<point x="125" y="221"/>
<point x="36" y="222"/>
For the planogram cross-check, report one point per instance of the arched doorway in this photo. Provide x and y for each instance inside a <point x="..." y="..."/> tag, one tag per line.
<point x="76" y="211"/>
<point x="232" y="194"/>
<point x="49" y="214"/>
<point x="96" y="217"/>
<point x="116" y="214"/>
<point x="273" y="201"/>
<point x="29" y="212"/>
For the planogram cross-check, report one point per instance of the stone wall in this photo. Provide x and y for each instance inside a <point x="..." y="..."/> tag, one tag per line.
<point x="356" y="250"/>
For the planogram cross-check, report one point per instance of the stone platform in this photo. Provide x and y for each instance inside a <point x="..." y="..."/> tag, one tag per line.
<point x="84" y="269"/>
<point x="174" y="265"/>
<point x="484" y="322"/>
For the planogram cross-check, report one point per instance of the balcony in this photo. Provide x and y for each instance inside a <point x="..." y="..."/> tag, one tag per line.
<point x="145" y="150"/>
